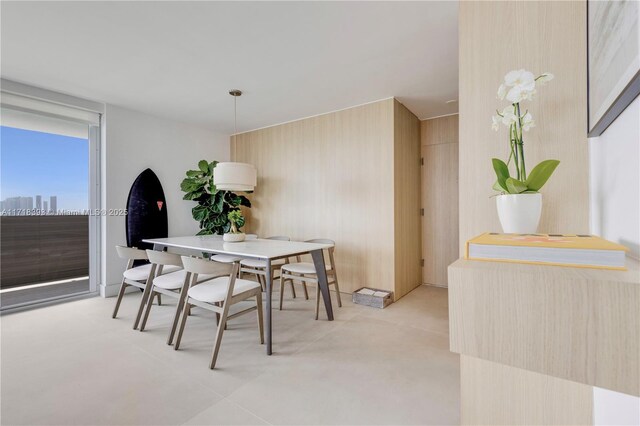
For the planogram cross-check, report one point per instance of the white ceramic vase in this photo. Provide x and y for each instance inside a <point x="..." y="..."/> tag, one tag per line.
<point x="233" y="238"/>
<point x="519" y="213"/>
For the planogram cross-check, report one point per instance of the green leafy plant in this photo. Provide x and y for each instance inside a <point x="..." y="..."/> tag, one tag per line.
<point x="237" y="221"/>
<point x="536" y="179"/>
<point x="518" y="86"/>
<point x="213" y="208"/>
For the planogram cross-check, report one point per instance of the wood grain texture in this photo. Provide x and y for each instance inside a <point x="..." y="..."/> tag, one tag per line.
<point x="496" y="37"/>
<point x="439" y="130"/>
<point x="496" y="394"/>
<point x="329" y="176"/>
<point x="408" y="238"/>
<point x="439" y="138"/>
<point x="577" y="324"/>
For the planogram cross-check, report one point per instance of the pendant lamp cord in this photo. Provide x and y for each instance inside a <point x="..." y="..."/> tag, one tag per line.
<point x="235" y="127"/>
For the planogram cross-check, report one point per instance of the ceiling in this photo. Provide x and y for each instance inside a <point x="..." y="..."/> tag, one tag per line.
<point x="291" y="59"/>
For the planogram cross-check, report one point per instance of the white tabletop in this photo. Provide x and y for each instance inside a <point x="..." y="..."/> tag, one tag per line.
<point x="256" y="248"/>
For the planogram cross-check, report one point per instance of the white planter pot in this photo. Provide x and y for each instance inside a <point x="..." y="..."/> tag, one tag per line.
<point x="233" y="238"/>
<point x="519" y="213"/>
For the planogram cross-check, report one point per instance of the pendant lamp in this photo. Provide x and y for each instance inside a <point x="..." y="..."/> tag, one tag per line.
<point x="232" y="176"/>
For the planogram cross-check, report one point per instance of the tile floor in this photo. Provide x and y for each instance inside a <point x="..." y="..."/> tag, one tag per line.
<point x="72" y="364"/>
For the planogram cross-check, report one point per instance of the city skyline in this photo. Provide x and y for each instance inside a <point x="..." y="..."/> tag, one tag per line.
<point x="43" y="164"/>
<point x="25" y="205"/>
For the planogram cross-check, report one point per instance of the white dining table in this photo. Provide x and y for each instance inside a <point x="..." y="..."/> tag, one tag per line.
<point x="267" y="250"/>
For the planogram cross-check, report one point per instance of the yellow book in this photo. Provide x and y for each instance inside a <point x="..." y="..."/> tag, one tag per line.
<point x="585" y="251"/>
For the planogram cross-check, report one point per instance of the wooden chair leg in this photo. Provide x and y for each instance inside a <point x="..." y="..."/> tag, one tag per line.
<point x="176" y="317"/>
<point x="293" y="289"/>
<point x="219" y="333"/>
<point x="143" y="301"/>
<point x="185" y="314"/>
<point x="123" y="287"/>
<point x="261" y="281"/>
<point x="147" y="310"/>
<point x="335" y="284"/>
<point x="159" y="299"/>
<point x="260" y="322"/>
<point x="317" y="300"/>
<point x="306" y="293"/>
<point x="217" y="314"/>
<point x="282" y="280"/>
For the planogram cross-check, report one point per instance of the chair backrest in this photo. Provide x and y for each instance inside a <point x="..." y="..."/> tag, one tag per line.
<point x="321" y="241"/>
<point x="131" y="253"/>
<point x="198" y="265"/>
<point x="164" y="258"/>
<point x="330" y="249"/>
<point x="279" y="238"/>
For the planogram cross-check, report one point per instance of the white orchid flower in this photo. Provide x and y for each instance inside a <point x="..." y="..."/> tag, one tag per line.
<point x="545" y="77"/>
<point x="502" y="91"/>
<point x="527" y="122"/>
<point x="495" y="122"/>
<point x="528" y="95"/>
<point x="521" y="78"/>
<point x="514" y="95"/>
<point x="522" y="85"/>
<point x="507" y="116"/>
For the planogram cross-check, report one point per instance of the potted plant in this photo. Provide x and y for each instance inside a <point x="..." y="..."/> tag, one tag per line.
<point x="519" y="203"/>
<point x="213" y="208"/>
<point x="237" y="221"/>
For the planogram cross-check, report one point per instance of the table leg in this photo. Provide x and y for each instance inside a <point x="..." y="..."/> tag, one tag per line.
<point x="321" y="272"/>
<point x="269" y="285"/>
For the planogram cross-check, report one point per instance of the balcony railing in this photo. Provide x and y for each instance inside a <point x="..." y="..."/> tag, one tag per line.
<point x="37" y="249"/>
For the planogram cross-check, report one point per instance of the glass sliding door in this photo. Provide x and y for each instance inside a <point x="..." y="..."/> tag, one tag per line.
<point x="48" y="179"/>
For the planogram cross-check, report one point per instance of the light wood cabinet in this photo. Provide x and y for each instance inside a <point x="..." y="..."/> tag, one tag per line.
<point x="439" y="138"/>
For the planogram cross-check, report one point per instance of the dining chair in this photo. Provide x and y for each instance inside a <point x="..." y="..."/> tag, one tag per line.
<point x="305" y="272"/>
<point x="258" y="267"/>
<point x="138" y="276"/>
<point x="173" y="284"/>
<point x="226" y="258"/>
<point x="218" y="295"/>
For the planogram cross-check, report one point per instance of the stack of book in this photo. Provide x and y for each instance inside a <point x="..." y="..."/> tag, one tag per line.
<point x="585" y="251"/>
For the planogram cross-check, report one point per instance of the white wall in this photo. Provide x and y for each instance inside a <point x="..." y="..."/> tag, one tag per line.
<point x="614" y="188"/>
<point x="131" y="142"/>
<point x="614" y="408"/>
<point x="614" y="160"/>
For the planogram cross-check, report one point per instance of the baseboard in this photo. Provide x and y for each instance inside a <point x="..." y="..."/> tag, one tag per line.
<point x="435" y="285"/>
<point x="111" y="290"/>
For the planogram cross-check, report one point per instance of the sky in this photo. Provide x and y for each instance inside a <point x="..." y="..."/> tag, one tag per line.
<point x="37" y="163"/>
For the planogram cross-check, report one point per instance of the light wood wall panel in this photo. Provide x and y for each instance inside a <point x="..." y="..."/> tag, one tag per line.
<point x="408" y="238"/>
<point x="496" y="394"/>
<point x="352" y="176"/>
<point x="496" y="37"/>
<point x="439" y="130"/>
<point x="439" y="138"/>
<point x="329" y="176"/>
<point x="577" y="324"/>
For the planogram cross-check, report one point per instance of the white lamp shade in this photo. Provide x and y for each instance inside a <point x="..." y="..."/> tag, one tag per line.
<point x="235" y="176"/>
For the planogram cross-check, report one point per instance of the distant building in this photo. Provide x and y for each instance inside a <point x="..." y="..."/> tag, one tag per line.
<point x="26" y="203"/>
<point x="38" y="202"/>
<point x="12" y="203"/>
<point x="45" y="206"/>
<point x="53" y="202"/>
<point x="17" y="206"/>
